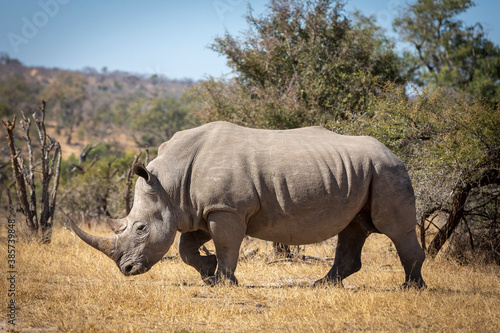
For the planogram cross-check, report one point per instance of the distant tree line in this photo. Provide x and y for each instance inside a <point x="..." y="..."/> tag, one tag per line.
<point x="91" y="105"/>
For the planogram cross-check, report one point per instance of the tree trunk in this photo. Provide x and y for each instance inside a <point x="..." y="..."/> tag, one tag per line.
<point x="456" y="214"/>
<point x="18" y="175"/>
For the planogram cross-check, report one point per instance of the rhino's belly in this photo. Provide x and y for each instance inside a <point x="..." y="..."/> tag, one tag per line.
<point x="307" y="227"/>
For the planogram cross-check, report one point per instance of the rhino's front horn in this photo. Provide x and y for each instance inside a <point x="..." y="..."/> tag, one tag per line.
<point x="107" y="245"/>
<point x="118" y="226"/>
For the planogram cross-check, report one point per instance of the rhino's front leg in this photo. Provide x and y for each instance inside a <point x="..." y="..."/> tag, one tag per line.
<point x="189" y="244"/>
<point x="227" y="230"/>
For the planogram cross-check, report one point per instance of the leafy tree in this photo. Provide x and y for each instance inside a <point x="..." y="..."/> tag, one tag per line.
<point x="92" y="186"/>
<point x="159" y="119"/>
<point x="301" y="63"/>
<point x="98" y="184"/>
<point x="67" y="92"/>
<point x="447" y="53"/>
<point x="450" y="145"/>
<point x="5" y="110"/>
<point x="15" y="94"/>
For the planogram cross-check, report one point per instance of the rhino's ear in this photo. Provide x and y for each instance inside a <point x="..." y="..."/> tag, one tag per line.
<point x="140" y="170"/>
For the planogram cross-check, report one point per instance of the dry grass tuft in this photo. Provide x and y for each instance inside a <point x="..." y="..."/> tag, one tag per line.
<point x="68" y="286"/>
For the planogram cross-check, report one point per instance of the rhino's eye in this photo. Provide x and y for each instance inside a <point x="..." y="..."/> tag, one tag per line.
<point x="141" y="228"/>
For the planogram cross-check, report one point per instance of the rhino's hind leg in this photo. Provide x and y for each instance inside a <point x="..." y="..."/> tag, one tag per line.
<point x="393" y="213"/>
<point x="412" y="257"/>
<point x="189" y="244"/>
<point x="348" y="252"/>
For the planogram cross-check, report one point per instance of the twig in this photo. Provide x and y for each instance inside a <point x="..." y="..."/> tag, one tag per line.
<point x="204" y="249"/>
<point x="249" y="254"/>
<point x="85" y="152"/>
<point x="303" y="258"/>
<point x="18" y="175"/>
<point x="171" y="257"/>
<point x="66" y="226"/>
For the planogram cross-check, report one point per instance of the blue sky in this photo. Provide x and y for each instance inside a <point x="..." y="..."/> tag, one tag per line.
<point x="168" y="37"/>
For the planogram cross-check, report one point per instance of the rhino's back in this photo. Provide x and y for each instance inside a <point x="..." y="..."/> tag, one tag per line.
<point x="294" y="186"/>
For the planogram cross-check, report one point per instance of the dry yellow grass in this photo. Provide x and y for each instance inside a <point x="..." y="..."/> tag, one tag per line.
<point x="68" y="286"/>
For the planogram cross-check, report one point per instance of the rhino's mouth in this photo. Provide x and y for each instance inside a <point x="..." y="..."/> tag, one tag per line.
<point x="130" y="269"/>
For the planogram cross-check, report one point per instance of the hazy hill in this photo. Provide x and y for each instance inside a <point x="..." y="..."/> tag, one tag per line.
<point x="91" y="106"/>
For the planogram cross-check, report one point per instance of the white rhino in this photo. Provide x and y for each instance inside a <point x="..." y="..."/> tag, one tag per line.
<point x="221" y="181"/>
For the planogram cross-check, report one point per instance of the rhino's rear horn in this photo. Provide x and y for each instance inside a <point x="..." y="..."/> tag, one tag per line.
<point x="118" y="226"/>
<point x="107" y="245"/>
<point x="140" y="170"/>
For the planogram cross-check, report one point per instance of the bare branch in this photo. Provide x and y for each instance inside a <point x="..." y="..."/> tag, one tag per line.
<point x="53" y="195"/>
<point x="29" y="172"/>
<point x="46" y="174"/>
<point x="248" y="254"/>
<point x="460" y="196"/>
<point x="18" y="175"/>
<point x="205" y="251"/>
<point x="85" y="152"/>
<point x="38" y="225"/>
<point x="94" y="161"/>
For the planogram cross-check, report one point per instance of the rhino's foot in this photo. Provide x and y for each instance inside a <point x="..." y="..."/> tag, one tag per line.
<point x="221" y="280"/>
<point x="327" y="281"/>
<point x="418" y="284"/>
<point x="209" y="266"/>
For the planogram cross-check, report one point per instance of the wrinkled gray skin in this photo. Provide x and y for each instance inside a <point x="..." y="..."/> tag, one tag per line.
<point x="221" y="181"/>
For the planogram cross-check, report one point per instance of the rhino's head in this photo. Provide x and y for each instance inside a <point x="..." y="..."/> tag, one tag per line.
<point x="146" y="234"/>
